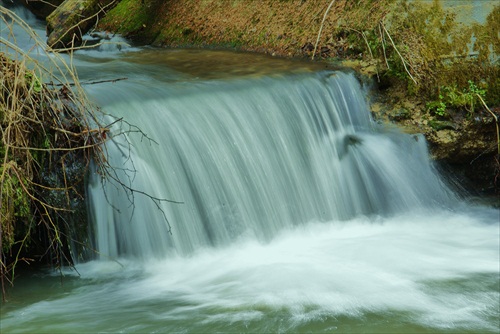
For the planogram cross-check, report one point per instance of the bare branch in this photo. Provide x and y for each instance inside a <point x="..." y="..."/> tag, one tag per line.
<point x="321" y="28"/>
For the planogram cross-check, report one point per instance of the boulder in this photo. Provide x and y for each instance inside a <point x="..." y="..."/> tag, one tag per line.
<point x="72" y="19"/>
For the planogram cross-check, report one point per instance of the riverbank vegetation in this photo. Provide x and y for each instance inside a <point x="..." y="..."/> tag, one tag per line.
<point x="49" y="134"/>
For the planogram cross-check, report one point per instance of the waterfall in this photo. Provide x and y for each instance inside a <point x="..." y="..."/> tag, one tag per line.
<point x="252" y="157"/>
<point x="297" y="213"/>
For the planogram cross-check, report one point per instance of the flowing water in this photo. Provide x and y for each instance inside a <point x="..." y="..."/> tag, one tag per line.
<point x="297" y="213"/>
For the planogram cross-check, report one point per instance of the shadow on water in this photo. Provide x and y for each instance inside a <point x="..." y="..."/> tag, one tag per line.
<point x="220" y="64"/>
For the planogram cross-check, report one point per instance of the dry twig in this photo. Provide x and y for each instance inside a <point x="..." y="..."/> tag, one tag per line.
<point x="321" y="28"/>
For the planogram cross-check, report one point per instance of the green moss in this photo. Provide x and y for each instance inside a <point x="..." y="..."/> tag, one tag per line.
<point x="129" y="16"/>
<point x="15" y="206"/>
<point x="133" y="18"/>
<point x="442" y="125"/>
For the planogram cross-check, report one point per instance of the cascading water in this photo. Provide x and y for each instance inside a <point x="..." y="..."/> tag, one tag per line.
<point x="299" y="213"/>
<point x="252" y="156"/>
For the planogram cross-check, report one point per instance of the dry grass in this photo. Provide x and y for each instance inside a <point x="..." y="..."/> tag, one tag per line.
<point x="47" y="123"/>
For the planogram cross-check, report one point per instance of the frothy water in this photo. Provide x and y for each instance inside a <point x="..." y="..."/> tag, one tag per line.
<point x="420" y="273"/>
<point x="299" y="214"/>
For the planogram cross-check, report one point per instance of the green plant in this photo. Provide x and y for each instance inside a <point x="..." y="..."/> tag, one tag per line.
<point x="472" y="95"/>
<point x="438" y="107"/>
<point x="33" y="82"/>
<point x="453" y="97"/>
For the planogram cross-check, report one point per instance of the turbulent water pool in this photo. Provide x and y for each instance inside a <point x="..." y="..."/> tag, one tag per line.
<point x="412" y="273"/>
<point x="299" y="213"/>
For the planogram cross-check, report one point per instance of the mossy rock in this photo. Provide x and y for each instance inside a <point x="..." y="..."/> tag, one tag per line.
<point x="443" y="125"/>
<point x="72" y="19"/>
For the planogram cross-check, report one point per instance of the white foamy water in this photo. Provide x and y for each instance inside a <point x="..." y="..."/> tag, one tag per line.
<point x="429" y="271"/>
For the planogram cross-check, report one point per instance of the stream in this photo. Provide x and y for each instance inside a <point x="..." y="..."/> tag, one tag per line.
<point x="296" y="213"/>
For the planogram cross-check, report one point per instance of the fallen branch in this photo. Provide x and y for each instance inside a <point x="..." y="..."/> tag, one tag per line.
<point x="382" y="40"/>
<point x="321" y="29"/>
<point x="86" y="83"/>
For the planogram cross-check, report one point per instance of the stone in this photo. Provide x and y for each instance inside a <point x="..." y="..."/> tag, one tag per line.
<point x="72" y="19"/>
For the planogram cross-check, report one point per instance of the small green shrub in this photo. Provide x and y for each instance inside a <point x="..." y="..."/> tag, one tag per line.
<point x="472" y="95"/>
<point x="455" y="98"/>
<point x="437" y="107"/>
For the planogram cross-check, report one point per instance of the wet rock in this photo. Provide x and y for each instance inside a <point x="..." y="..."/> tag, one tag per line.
<point x="72" y="19"/>
<point x="443" y="125"/>
<point x="469" y="153"/>
<point x="462" y="146"/>
<point x="400" y="114"/>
